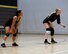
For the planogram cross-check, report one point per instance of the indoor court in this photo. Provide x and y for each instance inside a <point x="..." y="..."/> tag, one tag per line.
<point x="33" y="44"/>
<point x="34" y="27"/>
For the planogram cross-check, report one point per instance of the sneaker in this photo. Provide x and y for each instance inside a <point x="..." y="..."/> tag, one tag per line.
<point x="3" y="45"/>
<point x="14" y="44"/>
<point x="53" y="42"/>
<point x="46" y="42"/>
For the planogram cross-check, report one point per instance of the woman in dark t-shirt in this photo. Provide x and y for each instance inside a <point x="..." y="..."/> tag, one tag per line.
<point x="49" y="27"/>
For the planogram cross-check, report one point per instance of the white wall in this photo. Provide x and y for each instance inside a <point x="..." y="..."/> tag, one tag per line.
<point x="36" y="10"/>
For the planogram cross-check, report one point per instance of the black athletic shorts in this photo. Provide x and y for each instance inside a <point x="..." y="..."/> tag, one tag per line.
<point x="8" y="24"/>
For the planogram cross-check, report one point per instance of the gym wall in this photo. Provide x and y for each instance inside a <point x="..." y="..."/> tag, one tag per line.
<point x="36" y="10"/>
<point x="7" y="10"/>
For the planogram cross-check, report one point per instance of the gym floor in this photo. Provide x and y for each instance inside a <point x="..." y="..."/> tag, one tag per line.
<point x="33" y="44"/>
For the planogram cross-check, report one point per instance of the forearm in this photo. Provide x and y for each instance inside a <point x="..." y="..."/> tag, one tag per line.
<point x="62" y="24"/>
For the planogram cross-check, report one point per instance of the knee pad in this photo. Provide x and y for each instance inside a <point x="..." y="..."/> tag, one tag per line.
<point x="7" y="34"/>
<point x="15" y="34"/>
<point x="52" y="31"/>
<point x="48" y="31"/>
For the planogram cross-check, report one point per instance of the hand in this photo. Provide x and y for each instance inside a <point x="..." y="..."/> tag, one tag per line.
<point x="64" y="26"/>
<point x="12" y="30"/>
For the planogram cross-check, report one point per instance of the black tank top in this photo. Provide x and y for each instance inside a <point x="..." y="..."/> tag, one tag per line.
<point x="9" y="22"/>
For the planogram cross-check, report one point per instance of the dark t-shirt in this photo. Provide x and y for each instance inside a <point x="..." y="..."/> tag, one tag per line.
<point x="52" y="18"/>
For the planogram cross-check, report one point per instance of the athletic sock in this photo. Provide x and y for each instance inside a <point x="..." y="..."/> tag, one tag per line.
<point x="3" y="41"/>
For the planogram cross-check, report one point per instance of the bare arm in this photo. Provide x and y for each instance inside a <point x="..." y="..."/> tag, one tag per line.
<point x="13" y="22"/>
<point x="62" y="25"/>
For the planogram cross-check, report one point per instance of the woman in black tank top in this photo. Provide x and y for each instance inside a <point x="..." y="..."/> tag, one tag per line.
<point x="11" y="26"/>
<point x="49" y="27"/>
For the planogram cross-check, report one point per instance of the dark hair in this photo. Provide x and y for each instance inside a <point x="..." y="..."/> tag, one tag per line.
<point x="17" y="12"/>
